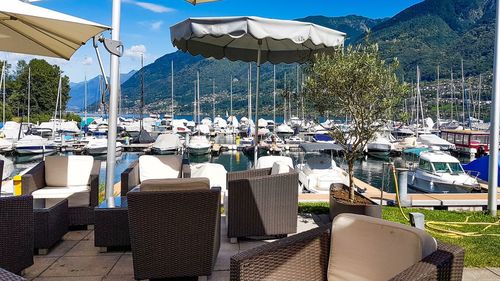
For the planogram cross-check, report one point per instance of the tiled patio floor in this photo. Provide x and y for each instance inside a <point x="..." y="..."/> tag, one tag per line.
<point x="76" y="258"/>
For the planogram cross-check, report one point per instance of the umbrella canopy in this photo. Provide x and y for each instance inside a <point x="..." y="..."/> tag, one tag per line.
<point x="29" y="29"/>
<point x="238" y="38"/>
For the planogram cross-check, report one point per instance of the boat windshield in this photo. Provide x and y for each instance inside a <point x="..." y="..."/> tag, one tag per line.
<point x="445" y="167"/>
<point x="320" y="163"/>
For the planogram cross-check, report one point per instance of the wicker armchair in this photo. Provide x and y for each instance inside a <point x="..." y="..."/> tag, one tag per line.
<point x="305" y="257"/>
<point x="261" y="204"/>
<point x="81" y="213"/>
<point x="174" y="228"/>
<point x="131" y="177"/>
<point x="16" y="233"/>
<point x="9" y="276"/>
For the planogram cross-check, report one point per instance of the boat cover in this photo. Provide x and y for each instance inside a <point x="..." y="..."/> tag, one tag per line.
<point x="143" y="137"/>
<point x="479" y="168"/>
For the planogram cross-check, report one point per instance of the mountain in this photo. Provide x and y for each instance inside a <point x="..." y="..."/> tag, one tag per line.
<point x="354" y="26"/>
<point x="428" y="34"/>
<point x="440" y="32"/>
<point x="77" y="92"/>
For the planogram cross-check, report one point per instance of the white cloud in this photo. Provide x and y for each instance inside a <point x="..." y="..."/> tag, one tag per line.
<point x="150" y="6"/>
<point x="156" y="25"/>
<point x="87" y="61"/>
<point x="135" y="51"/>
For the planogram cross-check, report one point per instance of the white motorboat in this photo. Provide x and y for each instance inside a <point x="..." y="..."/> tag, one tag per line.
<point x="294" y="140"/>
<point x="381" y="145"/>
<point x="199" y="145"/>
<point x="318" y="173"/>
<point x="11" y="130"/>
<point x="284" y="129"/>
<point x="31" y="144"/>
<point x="246" y="141"/>
<point x="5" y="145"/>
<point x="268" y="161"/>
<point x="432" y="140"/>
<point x="166" y="144"/>
<point x="99" y="146"/>
<point x="438" y="172"/>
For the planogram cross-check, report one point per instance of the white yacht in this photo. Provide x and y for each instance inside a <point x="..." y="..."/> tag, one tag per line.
<point x="284" y="129"/>
<point x="199" y="145"/>
<point x="319" y="172"/>
<point x="294" y="140"/>
<point x="97" y="146"/>
<point x="166" y="144"/>
<point x="381" y="145"/>
<point x="432" y="140"/>
<point x="438" y="172"/>
<point x="31" y="144"/>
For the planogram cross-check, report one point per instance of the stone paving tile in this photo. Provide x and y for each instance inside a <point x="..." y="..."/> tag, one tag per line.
<point x="76" y="235"/>
<point x="81" y="266"/>
<point x="90" y="236"/>
<point x="219" y="276"/>
<point x="473" y="274"/>
<point x="124" y="266"/>
<point x="495" y="270"/>
<point x="41" y="263"/>
<point x="119" y="278"/>
<point x="61" y="248"/>
<point x="87" y="248"/>
<point x="87" y="278"/>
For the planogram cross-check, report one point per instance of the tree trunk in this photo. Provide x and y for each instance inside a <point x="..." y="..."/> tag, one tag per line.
<point x="350" y="165"/>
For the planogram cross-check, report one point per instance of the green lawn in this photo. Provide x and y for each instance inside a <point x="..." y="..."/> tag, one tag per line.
<point x="480" y="251"/>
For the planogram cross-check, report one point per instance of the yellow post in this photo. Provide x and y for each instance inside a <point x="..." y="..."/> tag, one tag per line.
<point x="237" y="140"/>
<point x="17" y="185"/>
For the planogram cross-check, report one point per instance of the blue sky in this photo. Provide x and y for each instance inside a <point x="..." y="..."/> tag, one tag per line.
<point x="145" y="23"/>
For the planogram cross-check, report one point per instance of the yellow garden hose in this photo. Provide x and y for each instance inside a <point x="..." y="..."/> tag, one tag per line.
<point x="434" y="226"/>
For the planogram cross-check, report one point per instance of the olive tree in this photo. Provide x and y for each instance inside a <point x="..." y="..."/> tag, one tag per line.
<point x="357" y="83"/>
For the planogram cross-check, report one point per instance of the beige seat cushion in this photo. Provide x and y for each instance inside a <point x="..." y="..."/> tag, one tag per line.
<point x="159" y="167"/>
<point x="280" y="168"/>
<point x="175" y="184"/>
<point x="366" y="248"/>
<point x="73" y="170"/>
<point x="78" y="196"/>
<point x="216" y="173"/>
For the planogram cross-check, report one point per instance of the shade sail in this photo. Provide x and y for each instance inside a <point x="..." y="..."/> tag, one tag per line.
<point x="29" y="29"/>
<point x="237" y="38"/>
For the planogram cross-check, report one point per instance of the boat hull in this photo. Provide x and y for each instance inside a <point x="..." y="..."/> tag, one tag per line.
<point x="163" y="151"/>
<point x="100" y="150"/>
<point x="199" y="150"/>
<point x="36" y="149"/>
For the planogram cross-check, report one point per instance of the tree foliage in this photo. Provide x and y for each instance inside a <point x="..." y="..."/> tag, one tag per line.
<point x="43" y="90"/>
<point x="355" y="82"/>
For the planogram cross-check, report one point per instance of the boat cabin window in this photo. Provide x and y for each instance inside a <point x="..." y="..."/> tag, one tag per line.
<point x="321" y="163"/>
<point x="441" y="167"/>
<point x="450" y="137"/>
<point x="459" y="139"/>
<point x="479" y="139"/>
<point x="425" y="165"/>
<point x="456" y="168"/>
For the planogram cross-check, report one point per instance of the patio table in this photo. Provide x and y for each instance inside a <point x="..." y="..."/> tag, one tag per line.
<point x="50" y="222"/>
<point x="111" y="224"/>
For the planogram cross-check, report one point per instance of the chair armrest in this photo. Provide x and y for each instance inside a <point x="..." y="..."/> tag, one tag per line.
<point x="248" y="174"/>
<point x="299" y="257"/>
<point x="34" y="179"/>
<point x="447" y="263"/>
<point x="130" y="178"/>
<point x="94" y="183"/>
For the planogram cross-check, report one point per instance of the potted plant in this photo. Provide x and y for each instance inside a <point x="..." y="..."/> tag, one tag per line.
<point x="355" y="83"/>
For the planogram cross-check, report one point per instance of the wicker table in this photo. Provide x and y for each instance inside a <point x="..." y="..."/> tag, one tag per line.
<point x="51" y="222"/>
<point x="111" y="224"/>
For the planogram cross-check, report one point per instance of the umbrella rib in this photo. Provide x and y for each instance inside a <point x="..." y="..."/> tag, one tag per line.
<point x="34" y="40"/>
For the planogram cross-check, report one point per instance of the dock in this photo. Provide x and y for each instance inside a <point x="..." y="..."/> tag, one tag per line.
<point x="442" y="201"/>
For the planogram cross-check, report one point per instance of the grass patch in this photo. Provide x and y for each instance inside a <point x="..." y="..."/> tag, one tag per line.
<point x="480" y="251"/>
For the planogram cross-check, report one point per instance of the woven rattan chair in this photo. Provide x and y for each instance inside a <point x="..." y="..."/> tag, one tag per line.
<point x="16" y="233"/>
<point x="261" y="204"/>
<point x="82" y="202"/>
<point x="305" y="256"/>
<point x="9" y="276"/>
<point x="174" y="228"/>
<point x="131" y="177"/>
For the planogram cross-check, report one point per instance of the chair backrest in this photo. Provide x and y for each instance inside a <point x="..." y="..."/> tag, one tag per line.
<point x="73" y="170"/>
<point x="280" y="168"/>
<point x="174" y="233"/>
<point x="216" y="173"/>
<point x="175" y="184"/>
<point x="268" y="161"/>
<point x="366" y="248"/>
<point x="159" y="167"/>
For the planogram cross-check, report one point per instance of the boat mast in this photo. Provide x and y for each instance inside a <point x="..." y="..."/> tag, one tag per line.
<point x="479" y="98"/>
<point x="194" y="102"/>
<point x="452" y="94"/>
<point x="198" y="94"/>
<point x="417" y="95"/>
<point x="463" y="92"/>
<point x="57" y="103"/>
<point x="274" y="98"/>
<point x="437" y="99"/>
<point x="249" y="92"/>
<point x="213" y="100"/>
<point x="142" y="92"/>
<point x="231" y="96"/>
<point x="285" y="104"/>
<point x="297" y="89"/>
<point x="172" y="91"/>
<point x="85" y="100"/>
<point x="2" y="86"/>
<point x="29" y="92"/>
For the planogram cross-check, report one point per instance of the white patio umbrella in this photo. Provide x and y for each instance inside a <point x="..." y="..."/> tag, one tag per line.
<point x="29" y="29"/>
<point x="254" y="39"/>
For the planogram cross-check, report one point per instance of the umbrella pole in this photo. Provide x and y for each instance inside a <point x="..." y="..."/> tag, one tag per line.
<point x="113" y="106"/>
<point x="256" y="147"/>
